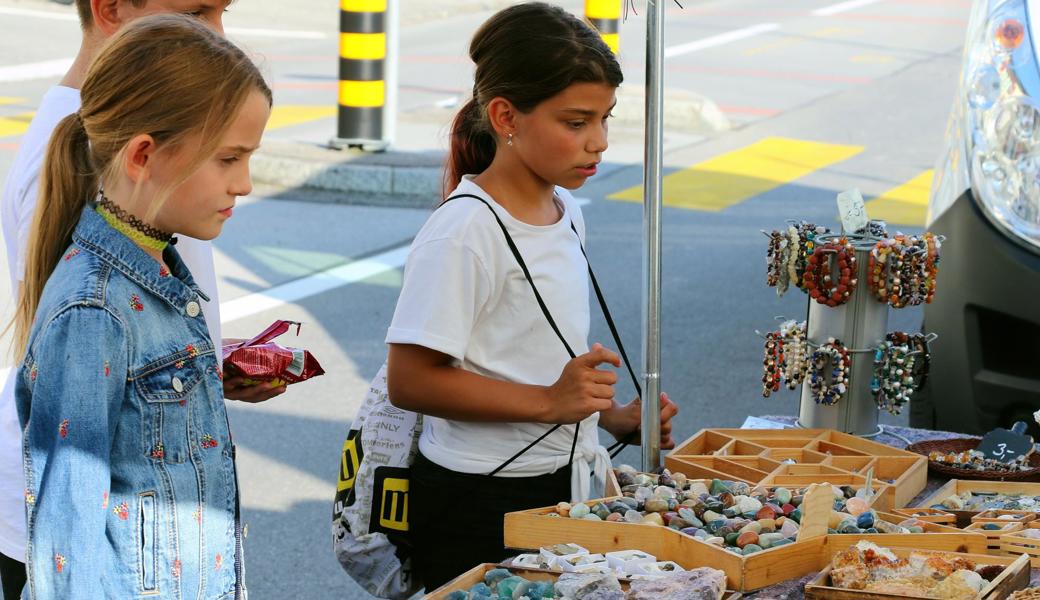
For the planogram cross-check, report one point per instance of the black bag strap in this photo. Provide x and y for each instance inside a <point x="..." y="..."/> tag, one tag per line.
<point x="616" y="448"/>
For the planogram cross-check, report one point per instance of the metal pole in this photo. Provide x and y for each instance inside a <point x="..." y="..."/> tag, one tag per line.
<point x="652" y="188"/>
<point x="393" y="54"/>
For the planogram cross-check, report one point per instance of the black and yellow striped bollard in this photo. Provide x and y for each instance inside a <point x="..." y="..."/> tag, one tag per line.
<point x="605" y="16"/>
<point x="362" y="73"/>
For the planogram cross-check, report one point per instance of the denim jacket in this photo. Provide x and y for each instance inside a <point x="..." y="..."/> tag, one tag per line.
<point x="131" y="487"/>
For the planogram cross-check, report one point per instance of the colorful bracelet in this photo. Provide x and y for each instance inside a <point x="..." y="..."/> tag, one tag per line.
<point x="773" y="364"/>
<point x="819" y="281"/>
<point x="829" y="379"/>
<point x="795" y="351"/>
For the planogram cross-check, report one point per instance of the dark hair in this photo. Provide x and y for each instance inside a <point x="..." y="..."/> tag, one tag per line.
<point x="526" y="53"/>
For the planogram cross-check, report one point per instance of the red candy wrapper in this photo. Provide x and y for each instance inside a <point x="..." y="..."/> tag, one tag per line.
<point x="259" y="359"/>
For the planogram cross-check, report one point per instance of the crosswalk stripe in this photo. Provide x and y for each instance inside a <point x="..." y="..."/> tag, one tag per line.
<point x="15" y="124"/>
<point x="281" y="116"/>
<point x="287" y="115"/>
<point x="906" y="204"/>
<point x="736" y="176"/>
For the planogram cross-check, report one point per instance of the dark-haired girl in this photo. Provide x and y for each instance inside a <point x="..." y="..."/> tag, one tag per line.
<point x="504" y="374"/>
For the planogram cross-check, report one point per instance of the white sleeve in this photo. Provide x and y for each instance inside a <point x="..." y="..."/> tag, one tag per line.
<point x="446" y="285"/>
<point x="24" y="213"/>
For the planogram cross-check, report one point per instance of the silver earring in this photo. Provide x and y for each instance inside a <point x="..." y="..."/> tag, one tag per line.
<point x="509" y="139"/>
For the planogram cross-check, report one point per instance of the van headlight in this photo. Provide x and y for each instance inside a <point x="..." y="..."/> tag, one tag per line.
<point x="1000" y="118"/>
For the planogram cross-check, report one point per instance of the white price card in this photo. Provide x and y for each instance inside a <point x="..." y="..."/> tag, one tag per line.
<point x="852" y="211"/>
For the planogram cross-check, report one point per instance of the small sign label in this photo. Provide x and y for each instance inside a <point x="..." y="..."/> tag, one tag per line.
<point x="852" y="210"/>
<point x="1005" y="446"/>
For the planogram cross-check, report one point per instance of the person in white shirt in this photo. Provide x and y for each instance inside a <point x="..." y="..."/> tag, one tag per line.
<point x="470" y="346"/>
<point x="99" y="19"/>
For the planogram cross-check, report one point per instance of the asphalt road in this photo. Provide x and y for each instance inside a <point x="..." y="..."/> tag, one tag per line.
<point x="820" y="98"/>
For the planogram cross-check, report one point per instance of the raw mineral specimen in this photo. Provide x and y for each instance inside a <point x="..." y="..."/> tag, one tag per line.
<point x="704" y="583"/>
<point x="572" y="586"/>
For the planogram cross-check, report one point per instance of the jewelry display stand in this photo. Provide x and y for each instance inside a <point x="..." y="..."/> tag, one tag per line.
<point x="860" y="324"/>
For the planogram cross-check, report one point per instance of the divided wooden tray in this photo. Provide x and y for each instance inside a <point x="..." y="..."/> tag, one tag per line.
<point x="1014" y="577"/>
<point x="959" y="486"/>
<point x="476" y="575"/>
<point x="533" y="529"/>
<point x="756" y="456"/>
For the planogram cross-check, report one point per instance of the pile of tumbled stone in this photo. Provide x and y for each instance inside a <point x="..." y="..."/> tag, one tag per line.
<point x="500" y="584"/>
<point x="728" y="514"/>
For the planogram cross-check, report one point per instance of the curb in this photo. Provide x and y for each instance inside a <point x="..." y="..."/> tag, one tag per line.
<point x="413" y="179"/>
<point x="405" y="179"/>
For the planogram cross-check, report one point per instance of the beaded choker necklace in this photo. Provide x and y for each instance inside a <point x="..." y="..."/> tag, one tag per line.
<point x="132" y="227"/>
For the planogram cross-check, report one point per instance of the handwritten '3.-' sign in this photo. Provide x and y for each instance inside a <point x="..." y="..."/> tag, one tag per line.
<point x="1006" y="446"/>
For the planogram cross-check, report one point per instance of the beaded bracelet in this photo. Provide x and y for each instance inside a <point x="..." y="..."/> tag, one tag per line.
<point x="874" y="228"/>
<point x="774" y="363"/>
<point x="776" y="262"/>
<point x="819" y="281"/>
<point x="832" y="356"/>
<point x="923" y="361"/>
<point x="893" y="381"/>
<point x="796" y="349"/>
<point x="903" y="269"/>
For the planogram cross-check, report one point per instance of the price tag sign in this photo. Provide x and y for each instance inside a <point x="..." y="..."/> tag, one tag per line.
<point x="1005" y="446"/>
<point x="852" y="210"/>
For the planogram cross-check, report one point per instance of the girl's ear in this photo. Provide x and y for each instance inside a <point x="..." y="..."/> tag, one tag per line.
<point x="503" y="116"/>
<point x="138" y="158"/>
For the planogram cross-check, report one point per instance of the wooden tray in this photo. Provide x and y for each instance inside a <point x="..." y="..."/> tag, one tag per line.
<point x="532" y="529"/>
<point x="477" y="573"/>
<point x="1014" y="544"/>
<point x="993" y="536"/>
<point x="993" y="516"/>
<point x="931" y="515"/>
<point x="756" y="456"/>
<point x="959" y="486"/>
<point x="1014" y="577"/>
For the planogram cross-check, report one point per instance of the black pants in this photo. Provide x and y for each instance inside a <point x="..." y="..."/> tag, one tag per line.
<point x="456" y="518"/>
<point x="12" y="576"/>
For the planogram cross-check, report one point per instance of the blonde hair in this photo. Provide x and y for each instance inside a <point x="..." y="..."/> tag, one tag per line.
<point x="168" y="76"/>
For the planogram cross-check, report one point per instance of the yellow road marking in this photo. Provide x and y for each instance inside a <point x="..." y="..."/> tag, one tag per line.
<point x="15" y="124"/>
<point x="736" y="176"/>
<point x="827" y="32"/>
<point x="286" y="115"/>
<point x="873" y="59"/>
<point x="906" y="204"/>
<point x="7" y="100"/>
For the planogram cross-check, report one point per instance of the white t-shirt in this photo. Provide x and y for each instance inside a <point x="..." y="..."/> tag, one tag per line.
<point x="17" y="205"/>
<point x="465" y="295"/>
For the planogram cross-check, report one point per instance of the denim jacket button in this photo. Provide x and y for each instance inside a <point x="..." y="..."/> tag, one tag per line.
<point x="193" y="309"/>
<point x="178" y="385"/>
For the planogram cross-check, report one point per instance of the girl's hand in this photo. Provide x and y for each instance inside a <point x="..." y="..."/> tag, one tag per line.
<point x="236" y="388"/>
<point x="582" y="389"/>
<point x="623" y="422"/>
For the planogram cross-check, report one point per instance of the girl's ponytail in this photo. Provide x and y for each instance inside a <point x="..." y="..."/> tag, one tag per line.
<point x="472" y="146"/>
<point x="67" y="181"/>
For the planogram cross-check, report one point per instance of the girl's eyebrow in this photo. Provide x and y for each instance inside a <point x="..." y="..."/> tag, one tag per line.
<point x="585" y="111"/>
<point x="239" y="149"/>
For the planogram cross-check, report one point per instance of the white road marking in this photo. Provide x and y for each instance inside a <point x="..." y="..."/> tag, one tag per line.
<point x="718" y="40"/>
<point x="295" y="34"/>
<point x="841" y="7"/>
<point x="40" y="14"/>
<point x="447" y="102"/>
<point x="242" y="31"/>
<point x="37" y="70"/>
<point x="311" y="285"/>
